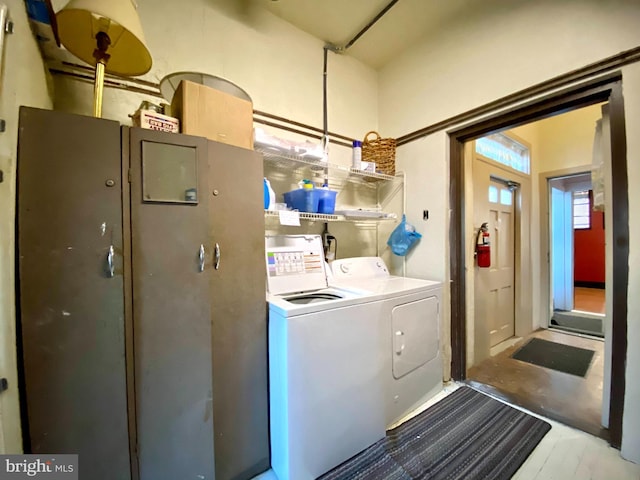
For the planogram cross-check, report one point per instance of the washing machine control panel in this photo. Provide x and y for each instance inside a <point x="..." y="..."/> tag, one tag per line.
<point x="295" y="263"/>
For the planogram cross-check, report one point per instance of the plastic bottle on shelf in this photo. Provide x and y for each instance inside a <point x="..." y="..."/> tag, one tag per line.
<point x="356" y="156"/>
<point x="269" y="195"/>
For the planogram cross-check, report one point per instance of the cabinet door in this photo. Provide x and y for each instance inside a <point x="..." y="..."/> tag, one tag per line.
<point x="71" y="306"/>
<point x="240" y="371"/>
<point x="171" y="269"/>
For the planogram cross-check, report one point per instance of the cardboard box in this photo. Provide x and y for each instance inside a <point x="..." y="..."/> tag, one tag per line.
<point x="155" y="121"/>
<point x="210" y="113"/>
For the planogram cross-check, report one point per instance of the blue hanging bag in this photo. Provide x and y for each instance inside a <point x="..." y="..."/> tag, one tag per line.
<point x="403" y="237"/>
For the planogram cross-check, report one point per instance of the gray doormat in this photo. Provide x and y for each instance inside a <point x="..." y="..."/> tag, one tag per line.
<point x="564" y="358"/>
<point x="465" y="436"/>
<point x="581" y="322"/>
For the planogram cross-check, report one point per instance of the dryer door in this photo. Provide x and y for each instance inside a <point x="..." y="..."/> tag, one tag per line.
<point x="415" y="335"/>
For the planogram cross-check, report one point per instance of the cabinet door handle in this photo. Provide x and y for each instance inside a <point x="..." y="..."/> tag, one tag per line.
<point x="216" y="265"/>
<point x="201" y="258"/>
<point x="110" y="268"/>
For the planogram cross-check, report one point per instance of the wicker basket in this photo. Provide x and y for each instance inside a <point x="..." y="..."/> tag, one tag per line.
<point x="382" y="151"/>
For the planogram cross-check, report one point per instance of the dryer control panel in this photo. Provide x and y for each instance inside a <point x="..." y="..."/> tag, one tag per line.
<point x="369" y="268"/>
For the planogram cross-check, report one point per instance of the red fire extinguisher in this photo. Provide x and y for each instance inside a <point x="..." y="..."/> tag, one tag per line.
<point x="483" y="249"/>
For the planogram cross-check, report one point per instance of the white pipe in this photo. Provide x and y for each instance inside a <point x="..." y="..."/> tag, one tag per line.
<point x="4" y="12"/>
<point x="404" y="209"/>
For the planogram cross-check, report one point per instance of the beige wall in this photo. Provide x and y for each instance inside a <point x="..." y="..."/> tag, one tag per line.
<point x="278" y="65"/>
<point x="506" y="47"/>
<point x="23" y="83"/>
<point x="567" y="139"/>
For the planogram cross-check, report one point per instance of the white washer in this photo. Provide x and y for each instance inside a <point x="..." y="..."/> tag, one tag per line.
<point x="411" y="310"/>
<point x="326" y="363"/>
<point x="345" y="361"/>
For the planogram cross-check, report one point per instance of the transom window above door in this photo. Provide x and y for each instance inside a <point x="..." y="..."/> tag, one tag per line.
<point x="505" y="150"/>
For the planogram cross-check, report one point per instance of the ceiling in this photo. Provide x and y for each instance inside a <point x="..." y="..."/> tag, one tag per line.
<point x="338" y="21"/>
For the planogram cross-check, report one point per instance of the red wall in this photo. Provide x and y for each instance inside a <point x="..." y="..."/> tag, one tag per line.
<point x="588" y="249"/>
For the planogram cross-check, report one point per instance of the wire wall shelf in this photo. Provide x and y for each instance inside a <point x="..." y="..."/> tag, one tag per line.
<point x="338" y="176"/>
<point x="323" y="217"/>
<point x="312" y="217"/>
<point x="339" y="173"/>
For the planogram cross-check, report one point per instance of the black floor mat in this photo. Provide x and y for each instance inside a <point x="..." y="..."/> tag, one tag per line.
<point x="465" y="436"/>
<point x="564" y="358"/>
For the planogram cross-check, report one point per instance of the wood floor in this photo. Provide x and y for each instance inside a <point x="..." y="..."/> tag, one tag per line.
<point x="588" y="299"/>
<point x="569" y="399"/>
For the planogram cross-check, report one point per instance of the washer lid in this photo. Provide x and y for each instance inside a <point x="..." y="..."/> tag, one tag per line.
<point x="295" y="263"/>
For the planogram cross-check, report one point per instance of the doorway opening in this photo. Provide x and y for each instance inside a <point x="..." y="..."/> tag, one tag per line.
<point x="577" y="255"/>
<point x="498" y="187"/>
<point x="532" y="312"/>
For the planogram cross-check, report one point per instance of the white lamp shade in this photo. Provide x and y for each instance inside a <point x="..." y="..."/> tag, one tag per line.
<point x="80" y="21"/>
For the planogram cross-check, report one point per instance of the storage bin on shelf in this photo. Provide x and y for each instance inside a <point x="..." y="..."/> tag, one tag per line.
<point x="381" y="151"/>
<point x="302" y="199"/>
<point x="326" y="200"/>
<point x="312" y="200"/>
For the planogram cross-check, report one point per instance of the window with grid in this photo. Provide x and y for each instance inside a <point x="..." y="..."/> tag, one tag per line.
<point x="581" y="210"/>
<point x="505" y="150"/>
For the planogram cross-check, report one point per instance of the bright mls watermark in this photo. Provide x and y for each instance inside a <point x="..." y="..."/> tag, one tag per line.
<point x="50" y="467"/>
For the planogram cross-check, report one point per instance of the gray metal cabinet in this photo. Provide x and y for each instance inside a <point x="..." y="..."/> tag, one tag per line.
<point x="141" y="300"/>
<point x="69" y="211"/>
<point x="240" y="371"/>
<point x="171" y="305"/>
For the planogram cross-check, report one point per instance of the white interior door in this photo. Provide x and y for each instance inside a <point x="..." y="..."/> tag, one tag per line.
<point x="494" y="299"/>
<point x="561" y="254"/>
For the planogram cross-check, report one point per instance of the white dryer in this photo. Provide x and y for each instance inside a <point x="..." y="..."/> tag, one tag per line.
<point x="410" y="310"/>
<point x="327" y="356"/>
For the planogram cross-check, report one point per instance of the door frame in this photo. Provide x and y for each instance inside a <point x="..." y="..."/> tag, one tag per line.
<point x="555" y="208"/>
<point x="607" y="88"/>
<point x="545" y="231"/>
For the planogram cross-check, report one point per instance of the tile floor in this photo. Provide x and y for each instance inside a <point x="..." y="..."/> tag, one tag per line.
<point x="563" y="454"/>
<point x="546" y="391"/>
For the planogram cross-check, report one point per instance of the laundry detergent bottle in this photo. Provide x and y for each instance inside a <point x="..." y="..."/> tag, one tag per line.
<point x="269" y="195"/>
